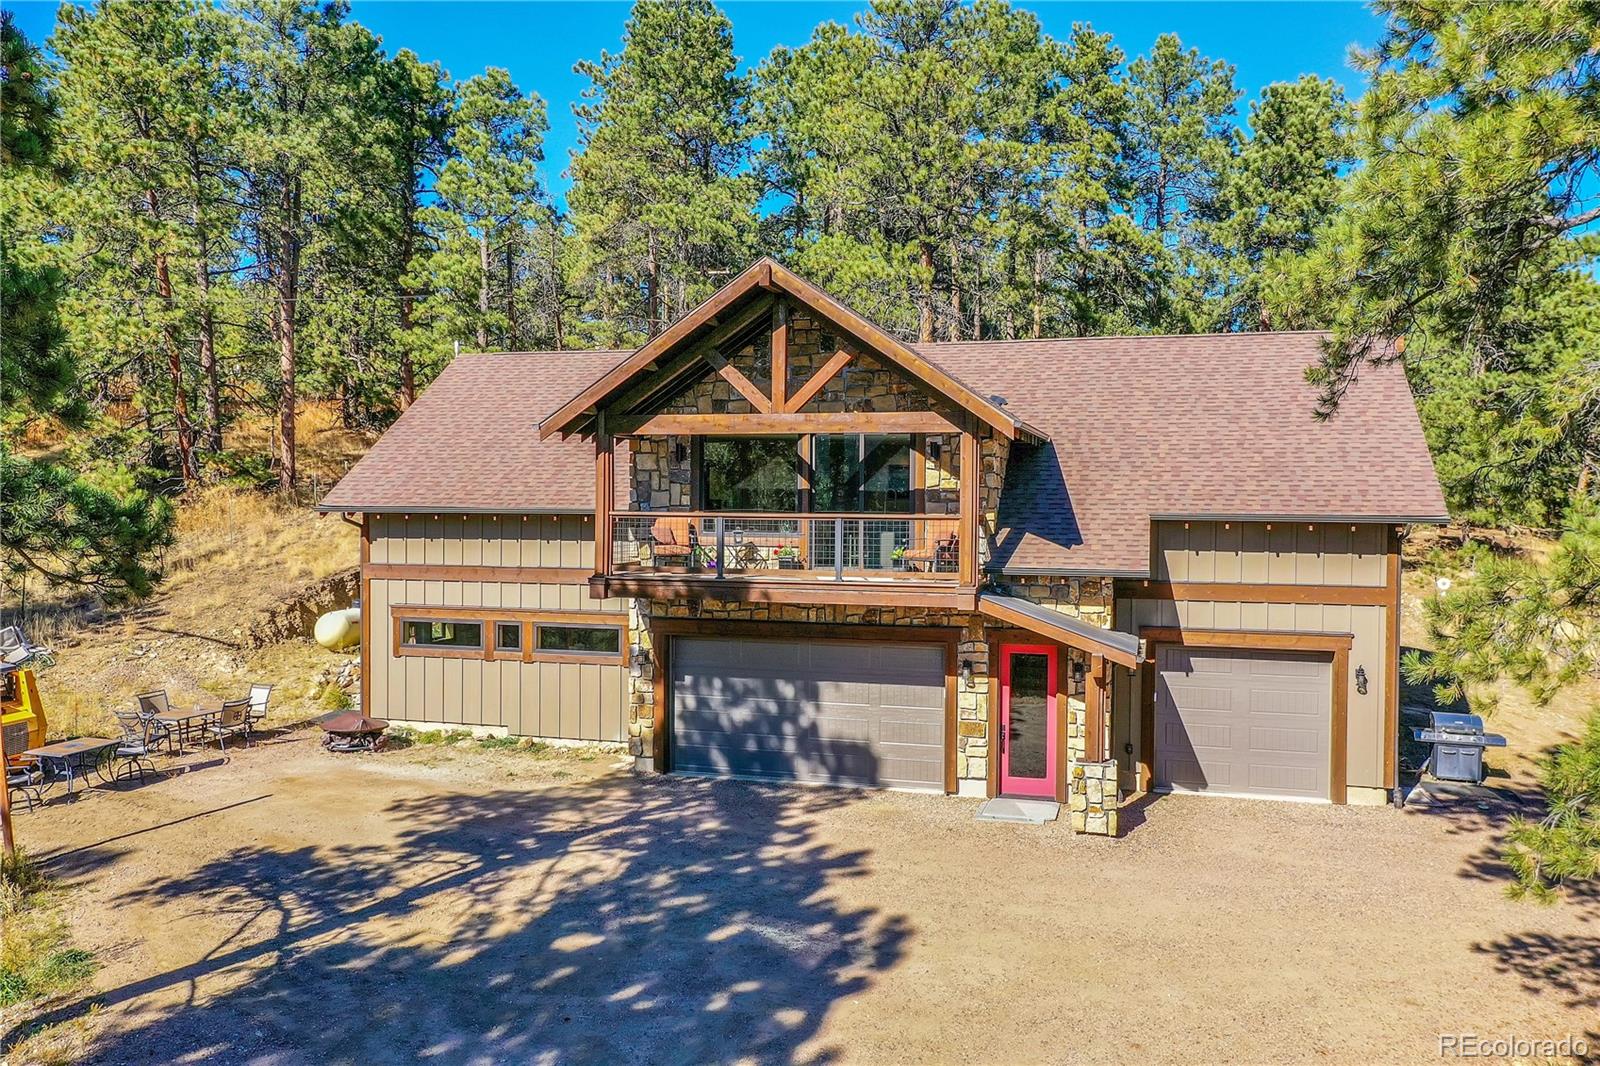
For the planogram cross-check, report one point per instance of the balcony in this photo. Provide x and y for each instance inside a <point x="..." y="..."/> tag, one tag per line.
<point x="909" y="559"/>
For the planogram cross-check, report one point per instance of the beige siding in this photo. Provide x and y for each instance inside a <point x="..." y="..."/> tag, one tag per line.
<point x="484" y="540"/>
<point x="1249" y="553"/>
<point x="572" y="701"/>
<point x="1288" y="553"/>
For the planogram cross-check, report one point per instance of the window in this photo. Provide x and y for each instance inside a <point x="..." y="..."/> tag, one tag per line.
<point x="508" y="636"/>
<point x="580" y="640"/>
<point x="749" y="474"/>
<point x="441" y="633"/>
<point x="867" y="473"/>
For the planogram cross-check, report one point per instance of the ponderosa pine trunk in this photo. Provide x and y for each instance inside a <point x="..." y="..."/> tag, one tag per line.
<point x="652" y="288"/>
<point x="483" y="292"/>
<point x="288" y="282"/>
<point x="925" y="302"/>
<point x="169" y="334"/>
<point x="408" y="369"/>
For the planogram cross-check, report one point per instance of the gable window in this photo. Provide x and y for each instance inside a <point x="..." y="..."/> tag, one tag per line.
<point x="749" y="474"/>
<point x="864" y="473"/>
<point x="441" y="633"/>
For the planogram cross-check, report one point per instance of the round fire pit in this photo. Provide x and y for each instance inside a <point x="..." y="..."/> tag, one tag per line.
<point x="351" y="731"/>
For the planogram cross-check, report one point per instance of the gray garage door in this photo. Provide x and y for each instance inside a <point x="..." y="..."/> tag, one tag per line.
<point x="858" y="713"/>
<point x="1243" y="722"/>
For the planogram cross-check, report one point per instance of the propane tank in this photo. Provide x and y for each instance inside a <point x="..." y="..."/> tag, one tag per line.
<point x="339" y="630"/>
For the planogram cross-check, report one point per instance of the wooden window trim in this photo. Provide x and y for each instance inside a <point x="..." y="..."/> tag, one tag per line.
<point x="490" y="617"/>
<point x="1337" y="645"/>
<point x="440" y="651"/>
<point x="618" y="658"/>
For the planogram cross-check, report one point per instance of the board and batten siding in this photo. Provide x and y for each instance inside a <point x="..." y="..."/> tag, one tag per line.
<point x="1333" y="555"/>
<point x="547" y="699"/>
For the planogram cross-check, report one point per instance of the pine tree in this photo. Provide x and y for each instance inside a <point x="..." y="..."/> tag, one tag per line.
<point x="661" y="203"/>
<point x="487" y="195"/>
<point x="98" y="532"/>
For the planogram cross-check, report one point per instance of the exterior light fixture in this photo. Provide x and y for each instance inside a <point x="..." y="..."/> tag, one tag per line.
<point x="680" y="452"/>
<point x="934" y="448"/>
<point x="637" y="657"/>
<point x="966" y="672"/>
<point x="1361" y="680"/>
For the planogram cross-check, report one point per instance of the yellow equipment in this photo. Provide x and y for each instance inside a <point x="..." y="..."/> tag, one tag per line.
<point x="21" y="712"/>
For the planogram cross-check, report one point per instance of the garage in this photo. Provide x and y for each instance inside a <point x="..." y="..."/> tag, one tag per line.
<point x="863" y="713"/>
<point x="1246" y="723"/>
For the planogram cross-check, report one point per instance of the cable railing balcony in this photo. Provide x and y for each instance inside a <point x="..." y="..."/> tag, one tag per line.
<point x="802" y="547"/>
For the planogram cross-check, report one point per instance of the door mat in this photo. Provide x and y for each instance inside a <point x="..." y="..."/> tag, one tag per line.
<point x="1028" y="811"/>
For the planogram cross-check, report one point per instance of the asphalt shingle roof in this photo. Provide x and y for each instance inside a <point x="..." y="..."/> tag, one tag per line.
<point x="471" y="441"/>
<point x="1217" y="425"/>
<point x="1214" y="426"/>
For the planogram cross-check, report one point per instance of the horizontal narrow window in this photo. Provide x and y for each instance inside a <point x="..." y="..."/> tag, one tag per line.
<point x="441" y="633"/>
<point x="508" y="636"/>
<point x="581" y="640"/>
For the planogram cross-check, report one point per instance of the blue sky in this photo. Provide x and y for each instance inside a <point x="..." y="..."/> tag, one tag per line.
<point x="539" y="42"/>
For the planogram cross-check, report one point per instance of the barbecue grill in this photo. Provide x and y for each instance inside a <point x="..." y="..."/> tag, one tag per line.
<point x="353" y="732"/>
<point x="1458" y="741"/>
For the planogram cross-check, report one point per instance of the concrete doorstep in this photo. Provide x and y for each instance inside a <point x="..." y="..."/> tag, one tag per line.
<point x="1028" y="811"/>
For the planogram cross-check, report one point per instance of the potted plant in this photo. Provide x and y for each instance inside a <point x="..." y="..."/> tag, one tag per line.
<point x="788" y="557"/>
<point x="899" y="558"/>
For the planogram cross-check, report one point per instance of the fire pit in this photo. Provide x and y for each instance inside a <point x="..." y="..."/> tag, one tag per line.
<point x="350" y="731"/>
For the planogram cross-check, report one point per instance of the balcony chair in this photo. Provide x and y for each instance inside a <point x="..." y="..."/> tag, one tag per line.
<point x="672" y="541"/>
<point x="940" y="551"/>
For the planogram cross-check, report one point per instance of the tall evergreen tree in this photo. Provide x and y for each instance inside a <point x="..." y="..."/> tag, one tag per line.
<point x="308" y="81"/>
<point x="97" y="532"/>
<point x="487" y="195"/>
<point x="661" y="201"/>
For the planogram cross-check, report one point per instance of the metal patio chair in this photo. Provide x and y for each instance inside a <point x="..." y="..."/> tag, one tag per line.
<point x="232" y="721"/>
<point x="133" y="753"/>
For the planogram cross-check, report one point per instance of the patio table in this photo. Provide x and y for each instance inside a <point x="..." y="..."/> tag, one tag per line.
<point x="75" y="755"/>
<point x="184" y="722"/>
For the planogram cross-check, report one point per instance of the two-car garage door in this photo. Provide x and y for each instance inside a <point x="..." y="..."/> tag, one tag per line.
<point x="1243" y="722"/>
<point x="866" y="713"/>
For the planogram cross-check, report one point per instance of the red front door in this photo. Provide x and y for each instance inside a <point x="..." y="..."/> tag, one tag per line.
<point x="1029" y="718"/>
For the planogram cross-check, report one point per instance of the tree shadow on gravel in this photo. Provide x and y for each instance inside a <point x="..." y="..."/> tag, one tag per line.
<point x="658" y="920"/>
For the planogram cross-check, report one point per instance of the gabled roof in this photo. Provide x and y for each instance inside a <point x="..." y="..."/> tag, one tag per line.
<point x="767" y="275"/>
<point x="470" y="444"/>
<point x="1209" y="426"/>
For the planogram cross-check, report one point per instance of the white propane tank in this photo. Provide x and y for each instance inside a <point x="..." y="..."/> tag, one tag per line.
<point x="338" y="630"/>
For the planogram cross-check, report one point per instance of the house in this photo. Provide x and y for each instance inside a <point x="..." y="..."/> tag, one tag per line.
<point x="778" y="542"/>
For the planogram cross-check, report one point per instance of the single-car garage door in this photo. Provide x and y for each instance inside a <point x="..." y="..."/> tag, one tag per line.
<point x="829" y="712"/>
<point x="1243" y="722"/>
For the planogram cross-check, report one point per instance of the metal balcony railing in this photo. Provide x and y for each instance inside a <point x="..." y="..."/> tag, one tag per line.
<point x="816" y="547"/>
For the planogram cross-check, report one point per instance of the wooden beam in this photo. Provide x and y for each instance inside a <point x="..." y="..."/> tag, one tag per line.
<point x="781" y="424"/>
<point x="368" y="653"/>
<point x="815" y="384"/>
<point x="661" y="697"/>
<point x="967" y="557"/>
<point x="1391" y="662"/>
<point x="1094" y="709"/>
<point x="523" y="575"/>
<point x="780" y="355"/>
<point x="661" y="343"/>
<point x="741" y="384"/>
<point x="605" y="486"/>
<point x="1247" y="639"/>
<point x="1231" y="592"/>
<point x="677" y="373"/>
<point x="777" y="590"/>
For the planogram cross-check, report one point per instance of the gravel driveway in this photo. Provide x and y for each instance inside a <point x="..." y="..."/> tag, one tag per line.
<point x="289" y="906"/>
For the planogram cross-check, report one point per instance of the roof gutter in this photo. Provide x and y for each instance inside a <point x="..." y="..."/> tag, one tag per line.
<point x="386" y="508"/>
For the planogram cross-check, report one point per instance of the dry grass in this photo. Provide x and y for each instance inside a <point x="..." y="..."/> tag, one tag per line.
<point x="238" y="554"/>
<point x="325" y="449"/>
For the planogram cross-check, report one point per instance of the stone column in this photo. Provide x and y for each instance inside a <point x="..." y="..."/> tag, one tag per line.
<point x="1094" y="797"/>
